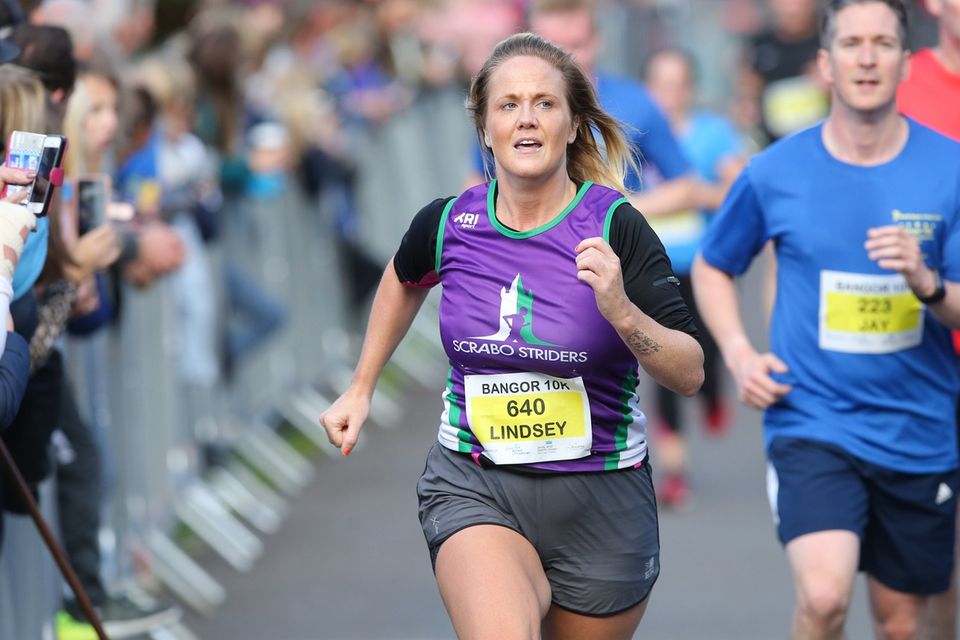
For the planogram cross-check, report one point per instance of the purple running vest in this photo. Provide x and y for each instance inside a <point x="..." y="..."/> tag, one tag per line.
<point x="512" y="303"/>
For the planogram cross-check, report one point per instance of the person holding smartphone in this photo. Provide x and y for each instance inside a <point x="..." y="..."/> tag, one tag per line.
<point x="23" y="107"/>
<point x="16" y="223"/>
<point x="79" y="293"/>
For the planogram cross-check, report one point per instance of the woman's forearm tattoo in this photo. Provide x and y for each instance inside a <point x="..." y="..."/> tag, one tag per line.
<point x="642" y="344"/>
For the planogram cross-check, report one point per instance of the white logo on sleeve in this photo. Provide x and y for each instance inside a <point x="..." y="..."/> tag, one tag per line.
<point x="943" y="493"/>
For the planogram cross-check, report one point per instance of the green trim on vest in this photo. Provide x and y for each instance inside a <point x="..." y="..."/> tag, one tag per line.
<point x="629" y="389"/>
<point x="441" y="227"/>
<point x="464" y="437"/>
<point x="608" y="220"/>
<point x="520" y="235"/>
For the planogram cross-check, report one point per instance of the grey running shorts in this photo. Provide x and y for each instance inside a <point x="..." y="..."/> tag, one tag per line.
<point x="596" y="533"/>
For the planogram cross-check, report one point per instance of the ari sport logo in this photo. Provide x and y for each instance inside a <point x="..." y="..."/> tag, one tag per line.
<point x="467" y="220"/>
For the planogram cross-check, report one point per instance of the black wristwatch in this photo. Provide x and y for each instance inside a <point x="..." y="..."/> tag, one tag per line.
<point x="938" y="294"/>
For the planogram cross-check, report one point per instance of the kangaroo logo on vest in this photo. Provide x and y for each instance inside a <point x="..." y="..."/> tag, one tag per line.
<point x="515" y="331"/>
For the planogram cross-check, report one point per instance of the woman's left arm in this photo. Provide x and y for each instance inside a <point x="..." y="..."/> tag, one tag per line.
<point x="671" y="357"/>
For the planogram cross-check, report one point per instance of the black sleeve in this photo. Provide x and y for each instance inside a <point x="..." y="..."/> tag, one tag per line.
<point x="415" y="260"/>
<point x="648" y="277"/>
<point x="14" y="371"/>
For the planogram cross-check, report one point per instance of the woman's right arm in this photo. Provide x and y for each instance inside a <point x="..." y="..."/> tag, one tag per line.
<point x="394" y="307"/>
<point x="403" y="288"/>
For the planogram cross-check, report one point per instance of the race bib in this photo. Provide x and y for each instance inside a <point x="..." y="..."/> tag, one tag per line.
<point x="868" y="314"/>
<point x="522" y="418"/>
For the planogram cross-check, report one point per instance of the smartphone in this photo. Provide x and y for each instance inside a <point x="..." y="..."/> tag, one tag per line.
<point x="93" y="194"/>
<point x="50" y="160"/>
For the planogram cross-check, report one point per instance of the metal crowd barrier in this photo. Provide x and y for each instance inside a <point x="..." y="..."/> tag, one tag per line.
<point x="28" y="577"/>
<point x="159" y="431"/>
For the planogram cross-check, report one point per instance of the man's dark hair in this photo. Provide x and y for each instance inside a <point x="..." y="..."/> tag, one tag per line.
<point x="48" y="52"/>
<point x="828" y="21"/>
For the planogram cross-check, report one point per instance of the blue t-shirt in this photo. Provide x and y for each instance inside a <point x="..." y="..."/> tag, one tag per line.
<point x="32" y="259"/>
<point x="141" y="167"/>
<point x="648" y="128"/>
<point x="872" y="372"/>
<point x="709" y="139"/>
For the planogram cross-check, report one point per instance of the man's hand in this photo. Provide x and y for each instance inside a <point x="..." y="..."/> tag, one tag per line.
<point x="160" y="248"/>
<point x="755" y="386"/>
<point x="892" y="247"/>
<point x="159" y="251"/>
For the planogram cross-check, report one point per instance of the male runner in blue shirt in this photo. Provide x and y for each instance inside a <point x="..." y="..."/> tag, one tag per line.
<point x="859" y="386"/>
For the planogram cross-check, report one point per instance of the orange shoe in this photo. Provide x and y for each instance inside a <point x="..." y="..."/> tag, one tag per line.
<point x="674" y="492"/>
<point x="717" y="422"/>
